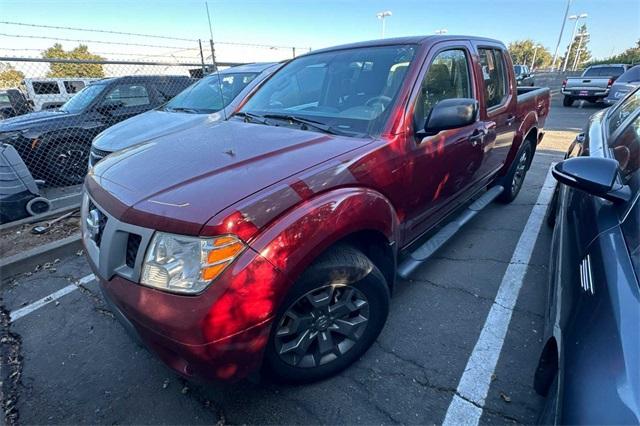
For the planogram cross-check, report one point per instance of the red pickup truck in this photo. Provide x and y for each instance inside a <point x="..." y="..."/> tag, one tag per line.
<point x="271" y="242"/>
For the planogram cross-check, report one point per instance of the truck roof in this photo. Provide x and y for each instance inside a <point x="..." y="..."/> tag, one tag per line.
<point x="424" y="39"/>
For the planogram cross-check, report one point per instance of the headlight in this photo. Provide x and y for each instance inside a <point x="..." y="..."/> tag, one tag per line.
<point x="187" y="264"/>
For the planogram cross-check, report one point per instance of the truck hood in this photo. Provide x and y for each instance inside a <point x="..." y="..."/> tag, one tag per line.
<point x="178" y="182"/>
<point x="147" y="126"/>
<point x="35" y="120"/>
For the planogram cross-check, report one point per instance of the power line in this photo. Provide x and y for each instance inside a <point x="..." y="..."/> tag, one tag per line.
<point x="91" y="30"/>
<point x="91" y="41"/>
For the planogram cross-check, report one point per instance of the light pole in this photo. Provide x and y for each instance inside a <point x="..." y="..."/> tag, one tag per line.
<point x="535" y="51"/>
<point x="575" y="61"/>
<point x="573" y="36"/>
<point x="442" y="31"/>
<point x="564" y="20"/>
<point x="381" y="16"/>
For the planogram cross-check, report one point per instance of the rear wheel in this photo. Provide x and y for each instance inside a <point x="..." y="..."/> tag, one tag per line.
<point x="567" y="101"/>
<point x="332" y="315"/>
<point x="513" y="181"/>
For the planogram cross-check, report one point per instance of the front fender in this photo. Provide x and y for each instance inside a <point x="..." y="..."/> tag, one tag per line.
<point x="297" y="237"/>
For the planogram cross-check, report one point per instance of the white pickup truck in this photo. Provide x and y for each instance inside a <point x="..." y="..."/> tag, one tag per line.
<point x="593" y="85"/>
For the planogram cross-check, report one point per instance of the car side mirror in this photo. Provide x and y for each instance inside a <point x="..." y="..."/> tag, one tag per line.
<point x="451" y="114"/>
<point x="593" y="175"/>
<point x="108" y="107"/>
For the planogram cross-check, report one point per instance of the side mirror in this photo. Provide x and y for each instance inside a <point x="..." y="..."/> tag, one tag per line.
<point x="451" y="114"/>
<point x="593" y="175"/>
<point x="108" y="107"/>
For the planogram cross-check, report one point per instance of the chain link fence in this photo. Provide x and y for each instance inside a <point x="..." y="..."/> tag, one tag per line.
<point x="53" y="108"/>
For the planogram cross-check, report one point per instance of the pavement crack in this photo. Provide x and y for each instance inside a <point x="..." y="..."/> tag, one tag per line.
<point x="99" y="305"/>
<point x="10" y="369"/>
<point x="371" y="398"/>
<point x="196" y="394"/>
<point x="487" y="409"/>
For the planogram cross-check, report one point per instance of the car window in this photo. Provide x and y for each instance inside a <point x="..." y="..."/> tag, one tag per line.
<point x="73" y="86"/>
<point x="129" y="94"/>
<point x="83" y="98"/>
<point x="632" y="75"/>
<point x="446" y="78"/>
<point x="4" y="98"/>
<point x="626" y="148"/>
<point x="603" y="72"/>
<point x="208" y="95"/>
<point x="620" y="112"/>
<point x="350" y="90"/>
<point x="46" y="87"/>
<point x="494" y="76"/>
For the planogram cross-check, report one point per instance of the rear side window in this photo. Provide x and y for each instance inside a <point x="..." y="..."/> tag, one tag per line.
<point x="446" y="78"/>
<point x="631" y="75"/>
<point x="129" y="94"/>
<point x="46" y="87"/>
<point x="626" y="148"/>
<point x="620" y="112"/>
<point x="73" y="86"/>
<point x="494" y="75"/>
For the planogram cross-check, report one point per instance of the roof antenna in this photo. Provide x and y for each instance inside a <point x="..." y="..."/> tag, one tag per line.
<point x="215" y="66"/>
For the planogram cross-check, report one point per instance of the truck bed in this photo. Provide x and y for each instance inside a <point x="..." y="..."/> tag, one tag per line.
<point x="536" y="99"/>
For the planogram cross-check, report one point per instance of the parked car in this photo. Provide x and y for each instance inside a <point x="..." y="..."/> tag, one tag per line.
<point x="593" y="85"/>
<point x="590" y="365"/>
<point x="272" y="239"/>
<point x="51" y="93"/>
<point x="55" y="144"/>
<point x="13" y="103"/>
<point x="200" y="103"/>
<point x="524" y="77"/>
<point x="626" y="83"/>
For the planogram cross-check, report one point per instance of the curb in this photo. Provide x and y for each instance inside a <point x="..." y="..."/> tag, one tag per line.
<point x="39" y="218"/>
<point x="25" y="261"/>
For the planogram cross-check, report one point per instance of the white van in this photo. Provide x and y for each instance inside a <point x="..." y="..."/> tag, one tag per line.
<point x="50" y="93"/>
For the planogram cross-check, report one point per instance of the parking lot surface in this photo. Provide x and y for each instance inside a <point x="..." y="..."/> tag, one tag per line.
<point x="77" y="365"/>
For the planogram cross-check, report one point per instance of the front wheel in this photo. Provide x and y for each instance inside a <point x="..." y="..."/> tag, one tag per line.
<point x="331" y="316"/>
<point x="567" y="101"/>
<point x="514" y="179"/>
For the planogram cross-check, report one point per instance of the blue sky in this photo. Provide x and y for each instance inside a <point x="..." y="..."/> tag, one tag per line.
<point x="614" y="25"/>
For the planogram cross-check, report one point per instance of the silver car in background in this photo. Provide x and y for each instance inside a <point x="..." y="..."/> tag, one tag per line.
<point x="624" y="85"/>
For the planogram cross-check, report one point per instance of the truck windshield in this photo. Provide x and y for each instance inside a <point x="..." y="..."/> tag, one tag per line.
<point x="603" y="72"/>
<point x="210" y="94"/>
<point x="83" y="98"/>
<point x="344" y="91"/>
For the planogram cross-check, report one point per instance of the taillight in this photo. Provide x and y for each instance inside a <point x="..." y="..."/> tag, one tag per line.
<point x="564" y="83"/>
<point x="610" y="82"/>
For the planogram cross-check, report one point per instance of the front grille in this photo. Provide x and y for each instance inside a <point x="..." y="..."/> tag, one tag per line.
<point x="133" y="244"/>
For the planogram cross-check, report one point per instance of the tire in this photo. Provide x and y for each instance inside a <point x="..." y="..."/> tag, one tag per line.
<point x="67" y="163"/>
<point x="549" y="410"/>
<point x="514" y="179"/>
<point x="357" y="295"/>
<point x="567" y="101"/>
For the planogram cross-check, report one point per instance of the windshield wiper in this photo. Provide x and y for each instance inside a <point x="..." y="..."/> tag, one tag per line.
<point x="181" y="109"/>
<point x="250" y="117"/>
<point x="305" y="122"/>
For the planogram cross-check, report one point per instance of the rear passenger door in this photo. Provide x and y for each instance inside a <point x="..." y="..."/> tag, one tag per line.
<point x="445" y="165"/>
<point x="499" y="105"/>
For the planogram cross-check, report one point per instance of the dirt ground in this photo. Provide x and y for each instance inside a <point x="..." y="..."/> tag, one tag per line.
<point x="19" y="239"/>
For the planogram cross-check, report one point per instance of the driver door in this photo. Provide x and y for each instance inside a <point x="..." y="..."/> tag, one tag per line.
<point x="127" y="100"/>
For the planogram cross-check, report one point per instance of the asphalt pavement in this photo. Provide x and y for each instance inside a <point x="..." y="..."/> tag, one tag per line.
<point x="77" y="365"/>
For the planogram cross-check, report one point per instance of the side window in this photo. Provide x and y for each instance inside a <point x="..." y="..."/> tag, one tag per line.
<point x="626" y="148"/>
<point x="129" y="94"/>
<point x="46" y="87"/>
<point x="494" y="76"/>
<point x="622" y="111"/>
<point x="446" y="78"/>
<point x="72" y="86"/>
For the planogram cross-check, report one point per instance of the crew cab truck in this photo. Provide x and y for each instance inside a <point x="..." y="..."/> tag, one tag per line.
<point x="271" y="242"/>
<point x="593" y="85"/>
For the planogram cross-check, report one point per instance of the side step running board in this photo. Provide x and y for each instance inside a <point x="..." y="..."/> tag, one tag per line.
<point x="426" y="250"/>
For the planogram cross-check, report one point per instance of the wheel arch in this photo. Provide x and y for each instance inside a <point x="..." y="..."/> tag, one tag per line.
<point x="547" y="367"/>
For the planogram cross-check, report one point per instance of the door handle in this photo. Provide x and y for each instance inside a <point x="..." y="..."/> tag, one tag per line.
<point x="477" y="137"/>
<point x="510" y="119"/>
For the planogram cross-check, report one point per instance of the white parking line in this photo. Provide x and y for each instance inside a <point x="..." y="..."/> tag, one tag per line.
<point x="19" y="313"/>
<point x="466" y="406"/>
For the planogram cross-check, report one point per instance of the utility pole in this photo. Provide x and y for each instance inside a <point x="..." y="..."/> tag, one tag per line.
<point x="535" y="51"/>
<point x="575" y="61"/>
<point x="201" y="57"/>
<point x="441" y="31"/>
<point x="381" y="16"/>
<point x="564" y="20"/>
<point x="573" y="36"/>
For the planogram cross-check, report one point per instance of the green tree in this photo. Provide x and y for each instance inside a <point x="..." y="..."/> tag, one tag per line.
<point x="629" y="56"/>
<point x="73" y="70"/>
<point x="9" y="76"/>
<point x="579" y="42"/>
<point x="523" y="52"/>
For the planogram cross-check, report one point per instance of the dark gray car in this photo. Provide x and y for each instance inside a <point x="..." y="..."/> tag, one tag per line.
<point x="524" y="77"/>
<point x="626" y="83"/>
<point x="590" y="364"/>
